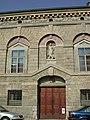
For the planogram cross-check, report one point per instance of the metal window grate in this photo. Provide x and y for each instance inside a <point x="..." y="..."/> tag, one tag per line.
<point x="85" y="97"/>
<point x="15" y="97"/>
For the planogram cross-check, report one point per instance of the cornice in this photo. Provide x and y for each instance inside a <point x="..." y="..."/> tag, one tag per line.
<point x="45" y="16"/>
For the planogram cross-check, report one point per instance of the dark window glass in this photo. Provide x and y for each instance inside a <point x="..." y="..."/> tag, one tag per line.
<point x="17" y="64"/>
<point x="15" y="97"/>
<point x="85" y="97"/>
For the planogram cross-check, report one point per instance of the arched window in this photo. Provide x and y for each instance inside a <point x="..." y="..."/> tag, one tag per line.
<point x="17" y="55"/>
<point x="82" y="52"/>
<point x="50" y="50"/>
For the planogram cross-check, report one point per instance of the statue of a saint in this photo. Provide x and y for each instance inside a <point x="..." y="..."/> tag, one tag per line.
<point x="51" y="51"/>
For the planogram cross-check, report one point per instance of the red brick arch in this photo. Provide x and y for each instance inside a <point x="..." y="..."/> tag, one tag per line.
<point x="51" y="37"/>
<point x="18" y="39"/>
<point x="80" y="37"/>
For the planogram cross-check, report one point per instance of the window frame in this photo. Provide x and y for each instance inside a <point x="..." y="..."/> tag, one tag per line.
<point x="84" y="97"/>
<point x="85" y="59"/>
<point x="15" y="61"/>
<point x="13" y="98"/>
<point x="82" y="44"/>
<point x="17" y="46"/>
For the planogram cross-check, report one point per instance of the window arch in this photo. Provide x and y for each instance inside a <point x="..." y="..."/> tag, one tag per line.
<point x="82" y="52"/>
<point x="43" y="41"/>
<point x="18" y="39"/>
<point x="17" y="49"/>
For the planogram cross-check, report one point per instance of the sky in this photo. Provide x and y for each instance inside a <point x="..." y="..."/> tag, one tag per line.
<point x="15" y="5"/>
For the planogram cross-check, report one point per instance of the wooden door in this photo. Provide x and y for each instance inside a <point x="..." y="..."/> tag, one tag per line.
<point x="52" y="103"/>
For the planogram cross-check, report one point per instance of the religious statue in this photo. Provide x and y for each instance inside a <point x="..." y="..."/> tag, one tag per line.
<point x="51" y="51"/>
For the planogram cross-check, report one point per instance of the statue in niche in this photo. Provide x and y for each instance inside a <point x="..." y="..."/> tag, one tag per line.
<point x="51" y="50"/>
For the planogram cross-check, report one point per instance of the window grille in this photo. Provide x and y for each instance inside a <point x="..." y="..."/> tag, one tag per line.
<point x="85" y="97"/>
<point x="15" y="97"/>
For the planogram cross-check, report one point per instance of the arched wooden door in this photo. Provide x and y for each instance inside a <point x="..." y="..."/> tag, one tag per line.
<point x="52" y="102"/>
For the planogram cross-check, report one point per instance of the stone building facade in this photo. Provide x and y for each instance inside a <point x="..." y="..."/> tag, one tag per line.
<point x="45" y="61"/>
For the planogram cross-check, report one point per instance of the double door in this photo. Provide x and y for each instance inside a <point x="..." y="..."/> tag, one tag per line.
<point x="52" y="103"/>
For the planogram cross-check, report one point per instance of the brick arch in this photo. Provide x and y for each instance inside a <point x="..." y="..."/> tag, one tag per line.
<point x="18" y="39"/>
<point x="50" y="37"/>
<point x="80" y="37"/>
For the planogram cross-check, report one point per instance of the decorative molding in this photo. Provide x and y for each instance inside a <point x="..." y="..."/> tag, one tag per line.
<point x="18" y="39"/>
<point x="58" y="41"/>
<point x="81" y="37"/>
<point x="42" y="18"/>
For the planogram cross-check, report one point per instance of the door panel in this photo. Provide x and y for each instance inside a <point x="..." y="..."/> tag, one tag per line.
<point x="52" y="102"/>
<point x="48" y="103"/>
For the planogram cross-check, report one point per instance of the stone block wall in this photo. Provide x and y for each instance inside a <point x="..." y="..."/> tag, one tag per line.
<point x="34" y="29"/>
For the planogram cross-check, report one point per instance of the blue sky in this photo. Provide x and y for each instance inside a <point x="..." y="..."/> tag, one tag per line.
<point x="12" y="5"/>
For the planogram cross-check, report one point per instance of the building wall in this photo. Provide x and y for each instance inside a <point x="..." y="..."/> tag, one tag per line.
<point x="65" y="65"/>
